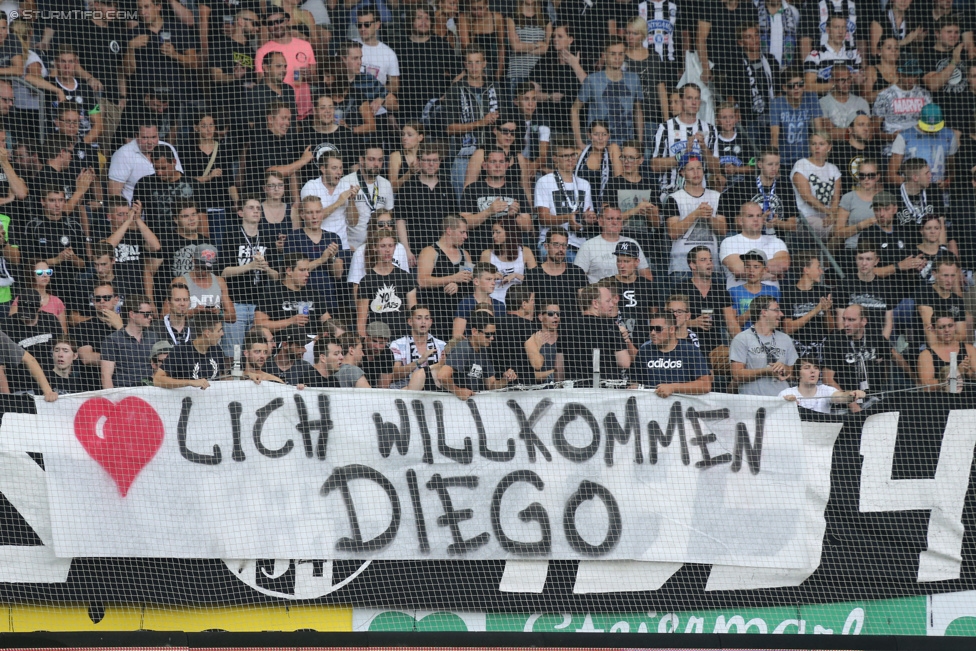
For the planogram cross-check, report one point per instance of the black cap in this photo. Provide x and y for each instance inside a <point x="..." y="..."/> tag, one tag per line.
<point x="293" y="335"/>
<point x="627" y="249"/>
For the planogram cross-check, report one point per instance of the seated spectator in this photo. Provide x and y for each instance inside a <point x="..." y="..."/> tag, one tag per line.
<point x="159" y="192"/>
<point x="563" y="199"/>
<point x="749" y="238"/>
<point x="349" y="374"/>
<point x="817" y="186"/>
<point x="754" y="267"/>
<point x="288" y="363"/>
<point x="810" y="394"/>
<point x="13" y="357"/>
<point x="638" y="295"/>
<point x="937" y="357"/>
<point x="291" y="301"/>
<point x="444" y="273"/>
<point x="807" y="304"/>
<point x="893" y="243"/>
<point x="669" y="364"/>
<point x="126" y="352"/>
<point x="468" y="368"/>
<point x="509" y="257"/>
<point x="65" y="377"/>
<point x="542" y="348"/>
<point x="763" y="356"/>
<point x="256" y="353"/>
<point x="423" y="201"/>
<point x="855" y="212"/>
<point x="90" y="331"/>
<point x="483" y="279"/>
<point x="386" y="293"/>
<point x="417" y="355"/>
<point x="857" y="357"/>
<point x="597" y="257"/>
<point x="677" y="305"/>
<point x="175" y="326"/>
<point x="778" y="208"/>
<point x="746" y="80"/>
<point x="945" y="73"/>
<point x="596" y="329"/>
<point x="50" y="303"/>
<point x="876" y="295"/>
<point x="840" y="106"/>
<point x="691" y="216"/>
<point x="514" y="329"/>
<point x="160" y="351"/>
<point x="131" y="161"/>
<point x="380" y="220"/>
<point x="196" y="363"/>
<point x="377" y="358"/>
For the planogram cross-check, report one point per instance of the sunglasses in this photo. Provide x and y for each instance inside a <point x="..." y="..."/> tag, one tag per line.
<point x="795" y="84"/>
<point x="552" y="313"/>
<point x="102" y="298"/>
<point x="366" y="23"/>
<point x="657" y="328"/>
<point x="508" y="131"/>
<point x="869" y="175"/>
<point x="489" y="335"/>
<point x="144" y="313"/>
<point x="278" y="21"/>
<point x="43" y="272"/>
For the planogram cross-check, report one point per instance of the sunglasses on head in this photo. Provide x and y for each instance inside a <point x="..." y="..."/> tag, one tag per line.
<point x="43" y="272"/>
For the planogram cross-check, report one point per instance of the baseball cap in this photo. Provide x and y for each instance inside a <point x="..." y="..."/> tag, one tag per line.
<point x="931" y="120"/>
<point x="627" y="249"/>
<point x="753" y="254"/>
<point x="884" y="198"/>
<point x="686" y="158"/>
<point x="159" y="348"/>
<point x="910" y="66"/>
<point x="293" y="335"/>
<point x="206" y="254"/>
<point x="324" y="150"/>
<point x="378" y="329"/>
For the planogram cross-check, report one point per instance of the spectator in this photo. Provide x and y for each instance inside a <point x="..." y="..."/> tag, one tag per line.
<point x="620" y="106"/>
<point x="483" y="279"/>
<point x="322" y="249"/>
<point x="132" y="242"/>
<point x="929" y="141"/>
<point x="941" y="297"/>
<point x="159" y="192"/>
<point x="637" y="196"/>
<point x="291" y="302"/>
<point x="736" y="154"/>
<point x="529" y="34"/>
<point x="720" y="20"/>
<point x="180" y="243"/>
<point x="810" y="394"/>
<point x="91" y="125"/>
<point x="505" y="136"/>
<point x="377" y="358"/>
<point x="231" y="61"/>
<point x="671" y="365"/>
<point x="443" y="270"/>
<point x="555" y="281"/>
<point x="747" y="80"/>
<point x="638" y="295"/>
<point x="379" y="59"/>
<point x="288" y="363"/>
<point x="276" y="148"/>
<point x="779" y="212"/>
<point x="815" y="23"/>
<point x="754" y="270"/>
<point x="598" y="160"/>
<point x="856" y="358"/>
<point x="779" y="32"/>
<point x="126" y="352"/>
<point x="334" y="201"/>
<point x="210" y="161"/>
<point x="271" y="89"/>
<point x="710" y="308"/>
<point x="691" y="217"/>
<point x="407" y="158"/>
<point x="492" y="196"/>
<point x="131" y="161"/>
<point x="424" y="201"/>
<point x="559" y="76"/>
<point x="175" y="326"/>
<point x="535" y="132"/>
<point x="793" y="115"/>
<point x="677" y="305"/>
<point x="256" y="352"/>
<point x="195" y="363"/>
<point x="596" y="329"/>
<point x="898" y="22"/>
<point x="386" y="293"/>
<point x="839" y="105"/>
<point x="808" y="307"/>
<point x="299" y="54"/>
<point x="817" y="187"/>
<point x="163" y="52"/>
<point x="427" y="65"/>
<point x="417" y="355"/>
<point x="65" y="377"/>
<point x="90" y="331"/>
<point x="858" y="145"/>
<point x="509" y="257"/>
<point x="514" y="329"/>
<point x="830" y="57"/>
<point x="884" y="73"/>
<point x="542" y="348"/>
<point x="358" y="96"/>
<point x="55" y="238"/>
<point x="899" y="106"/>
<point x="325" y="134"/>
<point x="933" y="247"/>
<point x="875" y="295"/>
<point x="31" y="329"/>
<point x="683" y="135"/>
<point x="855" y="212"/>
<point x="468" y="368"/>
<point x="564" y="199"/>
<point x="208" y="292"/>
<point x="596" y="255"/>
<point x="279" y="212"/>
<point x="762" y="357"/>
<point x="373" y="193"/>
<point x="914" y="205"/>
<point x="349" y="375"/>
<point x="58" y="172"/>
<point x="50" y="303"/>
<point x="893" y="243"/>
<point x="941" y="59"/>
<point x="751" y="220"/>
<point x="13" y="357"/>
<point x="103" y="271"/>
<point x="937" y="357"/>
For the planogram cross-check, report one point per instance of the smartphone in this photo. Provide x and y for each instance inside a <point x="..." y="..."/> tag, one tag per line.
<point x="707" y="312"/>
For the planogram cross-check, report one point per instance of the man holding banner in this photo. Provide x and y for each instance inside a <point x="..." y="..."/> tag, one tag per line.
<point x="196" y="363"/>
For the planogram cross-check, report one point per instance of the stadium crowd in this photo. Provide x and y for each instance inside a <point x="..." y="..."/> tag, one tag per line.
<point x="717" y="195"/>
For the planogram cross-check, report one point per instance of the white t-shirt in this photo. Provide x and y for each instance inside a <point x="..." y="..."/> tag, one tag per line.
<point x="405" y="351"/>
<point x="357" y="266"/>
<point x="842" y="114"/>
<point x="380" y="61"/>
<point x="821" y="181"/>
<point x="596" y="258"/>
<point x="336" y="222"/>
<point x="699" y="234"/>
<point x="820" y="402"/>
<point x="375" y="196"/>
<point x="739" y="244"/>
<point x="576" y="198"/>
<point x="129" y="165"/>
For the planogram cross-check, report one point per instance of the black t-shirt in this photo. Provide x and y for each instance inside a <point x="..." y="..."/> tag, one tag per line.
<point x="387" y="296"/>
<point x="80" y="97"/>
<point x="892" y="247"/>
<point x="776" y="199"/>
<point x="740" y="152"/>
<point x="268" y="150"/>
<point x="844" y="357"/>
<point x="156" y="70"/>
<point x="424" y="209"/>
<point x="77" y="382"/>
<point x="426" y="70"/>
<point x="717" y="300"/>
<point x="562" y="289"/>
<point x="348" y="143"/>
<point x="227" y="54"/>
<point x="186" y="363"/>
<point x="48" y="176"/>
<point x="848" y="160"/>
<point x="259" y="98"/>
<point x="471" y="367"/>
<point x="876" y="297"/>
<point x="477" y="197"/>
<point x="584" y="334"/>
<point x="90" y="333"/>
<point x="721" y="45"/>
<point x="509" y="345"/>
<point x="380" y="365"/>
<point x="740" y="77"/>
<point x="636" y="300"/>
<point x="953" y="98"/>
<point x="37" y="339"/>
<point x="100" y="50"/>
<point x="281" y="303"/>
<point x="926" y="295"/>
<point x="238" y="249"/>
<point x="159" y="198"/>
<point x="44" y="238"/>
<point x="796" y="303"/>
<point x="177" y="253"/>
<point x="130" y="257"/>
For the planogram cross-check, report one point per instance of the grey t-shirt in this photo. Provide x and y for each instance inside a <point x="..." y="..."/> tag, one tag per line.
<point x="471" y="367"/>
<point x="10" y="353"/>
<point x="758" y="351"/>
<point x="348" y="375"/>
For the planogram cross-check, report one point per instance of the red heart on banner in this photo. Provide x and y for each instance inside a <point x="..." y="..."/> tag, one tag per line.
<point x="131" y="435"/>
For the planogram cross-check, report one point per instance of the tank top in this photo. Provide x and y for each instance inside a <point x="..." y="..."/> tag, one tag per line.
<point x="938" y="363"/>
<point x="506" y="268"/>
<point x="442" y="306"/>
<point x="204" y="296"/>
<point x="548" y="352"/>
<point x="520" y="65"/>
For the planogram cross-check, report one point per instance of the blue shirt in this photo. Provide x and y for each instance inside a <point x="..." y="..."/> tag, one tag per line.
<point x="612" y="101"/>
<point x="319" y="280"/>
<point x="742" y="298"/>
<point x="683" y="364"/>
<point x="795" y="125"/>
<point x="935" y="148"/>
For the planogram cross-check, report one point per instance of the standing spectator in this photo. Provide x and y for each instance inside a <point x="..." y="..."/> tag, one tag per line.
<point x="103" y="271"/>
<point x="417" y="355"/>
<point x="529" y="33"/>
<point x="358" y="96"/>
<point x="349" y="375"/>
<point x="779" y="213"/>
<point x="915" y="205"/>
<point x="483" y="280"/>
<point x="817" y="187"/>
<point x="684" y="134"/>
<point x="597" y="255"/>
<point x="754" y="270"/>
<point x="256" y="352"/>
<point x="691" y="216"/>
<point x="542" y="348"/>
<point x="322" y="249"/>
<point x="65" y="376"/>
<point x="890" y="241"/>
<point x="899" y="106"/>
<point x="32" y="330"/>
<point x="83" y="99"/>
<point x="179" y="244"/>
<point x="175" y="326"/>
<point x="671" y="365"/>
<point x="373" y="193"/>
<point x="830" y="57"/>
<point x="559" y="75"/>
<point x="750" y="237"/>
<point x="875" y="295"/>
<point x="941" y="297"/>
<point x="131" y="162"/>
<point x="598" y="160"/>
<point x="89" y="332"/>
<point x="556" y="281"/>
<point x="637" y="196"/>
<point x="479" y="25"/>
<point x="427" y="65"/>
<point x="405" y="162"/>
<point x="50" y="303"/>
<point x="291" y="302"/>
<point x="508" y="256"/>
<point x="856" y="358"/>
<point x="638" y="296"/>
<point x="944" y="77"/>
<point x="614" y="95"/>
<point x="443" y="269"/>
<point x="736" y="154"/>
<point x="793" y="115"/>
<point x="663" y="23"/>
<point x="896" y="20"/>
<point x="936" y="358"/>
<point x="208" y="292"/>
<point x="386" y="293"/>
<point x="210" y="161"/>
<point x="884" y="72"/>
<point x="717" y="20"/>
<point x="163" y="52"/>
<point x="747" y="81"/>
<point x="424" y="201"/>
<point x="126" y="352"/>
<point x="271" y="89"/>
<point x="856" y="209"/>
<point x="839" y="105"/>
<point x="231" y="61"/>
<point x="858" y="145"/>
<point x="930" y="141"/>
<point x="815" y="22"/>
<point x="299" y="55"/>
<point x="563" y="199"/>
<point x="468" y="368"/>
<point x="13" y="357"/>
<point x="779" y="31"/>
<point x="196" y="363"/>
<point x="379" y="59"/>
<point x="133" y="242"/>
<point x="159" y="192"/>
<point x="491" y="197"/>
<point x="55" y="238"/>
<point x="334" y="201"/>
<point x="276" y="148"/>
<point x="763" y="356"/>
<point x="710" y="308"/>
<point x="327" y="136"/>
<point x="515" y="327"/>
<point x="596" y="329"/>
<point x="807" y="307"/>
<point x="377" y="359"/>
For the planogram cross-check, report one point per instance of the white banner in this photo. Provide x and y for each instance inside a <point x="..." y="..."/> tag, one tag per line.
<point x="269" y="472"/>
